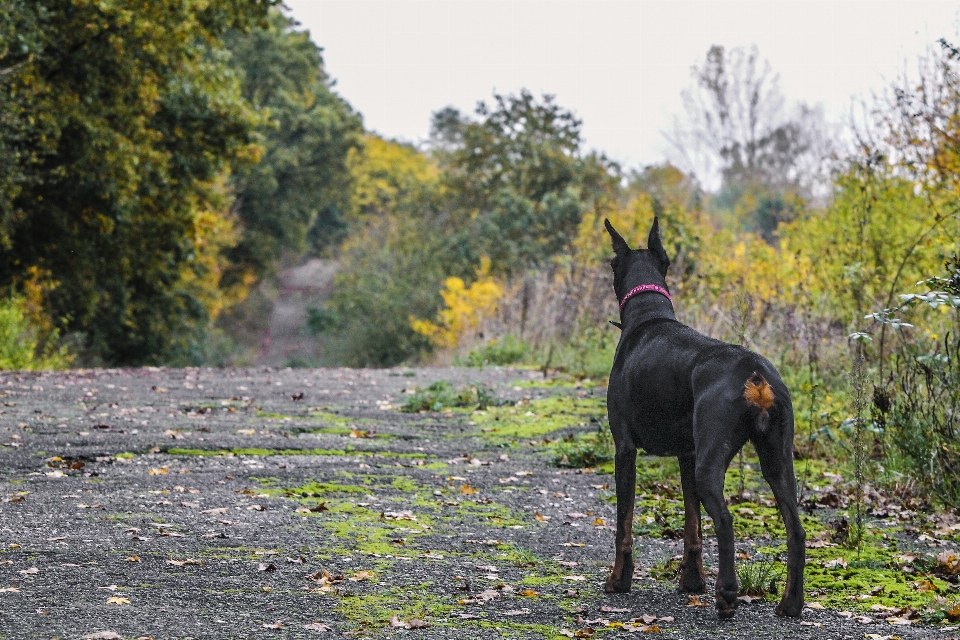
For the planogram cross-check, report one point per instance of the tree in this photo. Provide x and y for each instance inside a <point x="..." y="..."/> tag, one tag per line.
<point x="393" y="263"/>
<point x="517" y="179"/>
<point x="741" y="138"/>
<point x="127" y="120"/>
<point x="300" y="189"/>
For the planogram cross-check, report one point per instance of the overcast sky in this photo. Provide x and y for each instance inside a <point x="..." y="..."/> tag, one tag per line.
<point x="620" y="65"/>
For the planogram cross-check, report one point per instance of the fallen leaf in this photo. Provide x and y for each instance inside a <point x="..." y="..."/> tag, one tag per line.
<point x="530" y="593"/>
<point x="953" y="615"/>
<point x="949" y="561"/>
<point x="467" y="490"/>
<point x="103" y="635"/>
<point x="273" y="625"/>
<point x="575" y="578"/>
<point x="219" y="511"/>
<point x="133" y="558"/>
<point x="320" y="508"/>
<point x="117" y="600"/>
<point x="412" y="623"/>
<point x="607" y="609"/>
<point x="29" y="572"/>
<point x="516" y="612"/>
<point x="180" y="563"/>
<point x="9" y="590"/>
<point x="837" y="562"/>
<point x="540" y="518"/>
<point x="695" y="601"/>
<point x="925" y="585"/>
<point x="599" y="522"/>
<point x="266" y="567"/>
<point x="361" y="575"/>
<point x="316" y="626"/>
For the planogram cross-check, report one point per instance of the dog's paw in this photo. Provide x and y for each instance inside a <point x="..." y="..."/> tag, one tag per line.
<point x="726" y="602"/>
<point x="619" y="584"/>
<point x="790" y="609"/>
<point x="692" y="582"/>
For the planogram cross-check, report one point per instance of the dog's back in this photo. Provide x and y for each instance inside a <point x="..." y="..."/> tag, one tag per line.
<point x="665" y="372"/>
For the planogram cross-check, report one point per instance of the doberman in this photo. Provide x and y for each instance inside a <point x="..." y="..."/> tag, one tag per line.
<point x="676" y="392"/>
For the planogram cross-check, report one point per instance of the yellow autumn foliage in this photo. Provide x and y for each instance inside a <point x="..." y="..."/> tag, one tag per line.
<point x="465" y="307"/>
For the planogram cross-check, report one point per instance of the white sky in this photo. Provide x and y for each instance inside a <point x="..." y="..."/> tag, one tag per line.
<point x="620" y="65"/>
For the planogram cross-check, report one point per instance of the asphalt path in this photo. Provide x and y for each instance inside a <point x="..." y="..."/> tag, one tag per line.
<point x="318" y="509"/>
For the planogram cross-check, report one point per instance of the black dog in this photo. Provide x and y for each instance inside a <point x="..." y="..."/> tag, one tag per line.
<point x="676" y="392"/>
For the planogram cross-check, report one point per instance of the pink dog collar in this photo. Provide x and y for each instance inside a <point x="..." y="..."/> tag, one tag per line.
<point x="641" y="289"/>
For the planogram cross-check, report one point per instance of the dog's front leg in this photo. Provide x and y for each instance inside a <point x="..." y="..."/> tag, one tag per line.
<point x="692" y="578"/>
<point x="625" y="468"/>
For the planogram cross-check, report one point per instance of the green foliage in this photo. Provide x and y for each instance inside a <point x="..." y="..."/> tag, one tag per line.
<point x="125" y="119"/>
<point x="442" y="395"/>
<point x="390" y="273"/>
<point x="588" y="450"/>
<point x="517" y="180"/>
<point x="20" y="345"/>
<point x="499" y="351"/>
<point x="759" y="577"/>
<point x="925" y="414"/>
<point x="301" y="186"/>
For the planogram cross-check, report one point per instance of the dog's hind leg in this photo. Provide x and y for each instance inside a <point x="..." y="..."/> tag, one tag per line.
<point x="625" y="468"/>
<point x="713" y="457"/>
<point x="775" y="450"/>
<point x="692" y="578"/>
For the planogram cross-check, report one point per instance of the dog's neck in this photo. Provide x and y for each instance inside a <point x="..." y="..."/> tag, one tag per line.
<point x="650" y="306"/>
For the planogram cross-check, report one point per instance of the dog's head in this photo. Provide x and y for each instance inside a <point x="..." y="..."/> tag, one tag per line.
<point x="632" y="267"/>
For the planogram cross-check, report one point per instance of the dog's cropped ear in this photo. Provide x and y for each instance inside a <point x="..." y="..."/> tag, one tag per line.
<point x="620" y="246"/>
<point x="656" y="247"/>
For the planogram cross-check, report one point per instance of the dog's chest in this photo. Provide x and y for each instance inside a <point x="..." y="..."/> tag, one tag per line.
<point x="651" y="396"/>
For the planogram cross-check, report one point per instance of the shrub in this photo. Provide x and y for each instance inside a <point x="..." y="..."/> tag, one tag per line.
<point x="441" y="395"/>
<point x="586" y="450"/>
<point x="20" y="343"/>
<point x="760" y="577"/>
<point x="926" y="420"/>
<point x="502" y="351"/>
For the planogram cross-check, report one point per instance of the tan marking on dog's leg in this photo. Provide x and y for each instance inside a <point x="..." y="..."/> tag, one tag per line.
<point x="692" y="577"/>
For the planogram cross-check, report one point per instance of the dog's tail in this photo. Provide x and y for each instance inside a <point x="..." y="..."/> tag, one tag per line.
<point x="758" y="392"/>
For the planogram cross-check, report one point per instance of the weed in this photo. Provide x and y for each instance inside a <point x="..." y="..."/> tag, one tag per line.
<point x="760" y="577"/>
<point x="585" y="450"/>
<point x="855" y="539"/>
<point x="502" y="351"/>
<point x="668" y="569"/>
<point x="925" y="421"/>
<point x="441" y="395"/>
